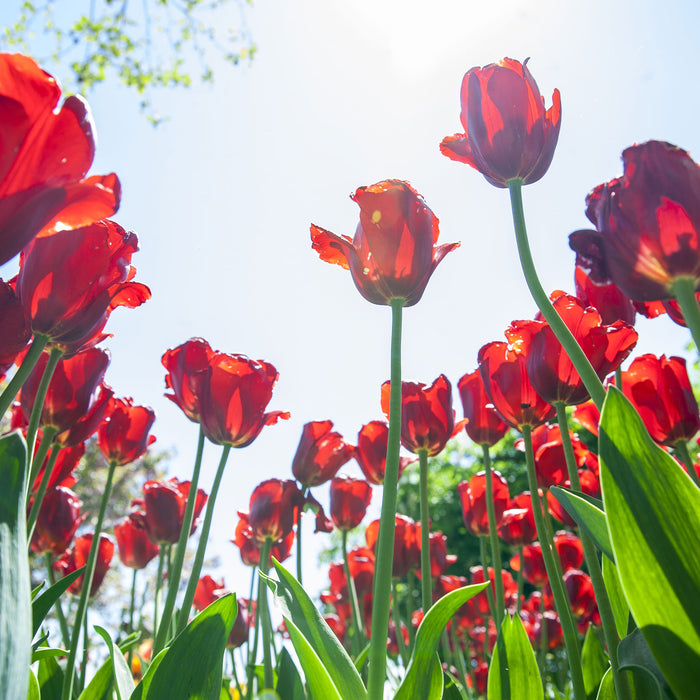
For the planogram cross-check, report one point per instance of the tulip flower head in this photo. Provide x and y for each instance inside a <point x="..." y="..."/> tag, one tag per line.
<point x="370" y="452"/>
<point x="58" y="519"/>
<point x="77" y="557"/>
<point x="15" y="331"/>
<point x="484" y="424"/>
<point x="123" y="435"/>
<point x="350" y="499"/>
<point x="135" y="547"/>
<point x="273" y="507"/>
<point x="508" y="132"/>
<point x="320" y="454"/>
<point x="472" y="495"/>
<point x="394" y="252"/>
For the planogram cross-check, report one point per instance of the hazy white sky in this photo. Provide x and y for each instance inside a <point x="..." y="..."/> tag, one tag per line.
<point x="342" y="95"/>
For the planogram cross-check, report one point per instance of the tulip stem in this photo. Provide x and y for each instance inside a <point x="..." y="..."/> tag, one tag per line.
<point x="24" y="370"/>
<point x="381" y="599"/>
<point x="69" y="677"/>
<point x="41" y="491"/>
<point x="578" y="358"/>
<point x="174" y="580"/>
<point x="483" y="551"/>
<point x="403" y="652"/>
<point x="684" y="290"/>
<point x="159" y="583"/>
<point x="426" y="578"/>
<point x="264" y="615"/>
<point x="499" y="610"/>
<point x="300" y="511"/>
<point x="561" y="599"/>
<point x="65" y="634"/>
<point x="202" y="544"/>
<point x="357" y="631"/>
<point x="681" y="448"/>
<point x="590" y="553"/>
<point x="519" y="579"/>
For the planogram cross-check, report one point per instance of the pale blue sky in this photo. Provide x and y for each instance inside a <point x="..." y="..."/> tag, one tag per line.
<point x="342" y="95"/>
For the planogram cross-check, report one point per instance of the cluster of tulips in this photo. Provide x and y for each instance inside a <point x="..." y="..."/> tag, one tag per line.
<point x="623" y="571"/>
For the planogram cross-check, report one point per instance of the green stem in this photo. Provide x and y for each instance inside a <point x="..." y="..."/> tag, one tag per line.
<point x="357" y="631"/>
<point x="299" y="514"/>
<point x="86" y="651"/>
<point x="381" y="600"/>
<point x="561" y="600"/>
<point x="684" y="290"/>
<point x="485" y="566"/>
<point x="132" y="607"/>
<point x="46" y="439"/>
<point x="252" y="652"/>
<point x="69" y="677"/>
<point x="499" y="610"/>
<point x="459" y="654"/>
<point x="65" y="634"/>
<point x="264" y="616"/>
<point x="681" y="447"/>
<point x="588" y="376"/>
<point x="409" y="605"/>
<point x="24" y="370"/>
<point x="174" y="580"/>
<point x="403" y="652"/>
<point x="591" y="555"/>
<point x="159" y="583"/>
<point x="519" y="578"/>
<point x="202" y="544"/>
<point x="234" y="674"/>
<point x="426" y="578"/>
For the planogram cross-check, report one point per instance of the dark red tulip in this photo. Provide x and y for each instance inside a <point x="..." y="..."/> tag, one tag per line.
<point x="588" y="415"/>
<point x="660" y="390"/>
<point x="135" y="546"/>
<point x="647" y="222"/>
<point x="250" y="549"/>
<point x="440" y="560"/>
<point x="549" y="368"/>
<point x="361" y="564"/>
<point x="370" y="452"/>
<point x="508" y="133"/>
<point x="406" y="544"/>
<point x="123" y="436"/>
<point x="350" y="499"/>
<point x="610" y="301"/>
<point x="46" y="154"/>
<point x="233" y="394"/>
<point x="15" y="331"/>
<point x="320" y="454"/>
<point x="472" y="495"/>
<point x="569" y="548"/>
<point x="510" y="588"/>
<point x="502" y="369"/>
<point x="323" y="523"/>
<point x="70" y="282"/>
<point x="74" y="393"/>
<point x="183" y="364"/>
<point x="579" y="588"/>
<point x="58" y="519"/>
<point x="589" y="483"/>
<point x="394" y="251"/>
<point x="484" y="424"/>
<point x="518" y="522"/>
<point x="532" y="564"/>
<point x="77" y="556"/>
<point x="427" y="416"/>
<point x="273" y="506"/>
<point x="163" y="509"/>
<point x="63" y="468"/>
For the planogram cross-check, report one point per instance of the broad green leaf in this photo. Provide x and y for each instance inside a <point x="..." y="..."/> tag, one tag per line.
<point x="192" y="666"/>
<point x="298" y="607"/>
<point x="618" y="602"/>
<point x="513" y="654"/>
<point x="34" y="690"/>
<point x="100" y="685"/>
<point x="50" y="677"/>
<point x="44" y="652"/>
<point x="148" y="677"/>
<point x="606" y="691"/>
<point x="594" y="663"/>
<point x="653" y="512"/>
<point x="289" y="684"/>
<point x="44" y="603"/>
<point x="588" y="513"/>
<point x="123" y="680"/>
<point x="318" y="677"/>
<point x="454" y="689"/>
<point x="423" y="677"/>
<point x="15" y="584"/>
<point x="634" y="653"/>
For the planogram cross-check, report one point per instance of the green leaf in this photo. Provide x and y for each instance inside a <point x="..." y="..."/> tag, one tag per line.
<point x="298" y="607"/>
<point x="192" y="666"/>
<point x="123" y="679"/>
<point x="634" y="653"/>
<point x="100" y="686"/>
<point x="618" y="602"/>
<point x="513" y="654"/>
<point x="148" y="677"/>
<point x="318" y="677"/>
<point x="44" y="603"/>
<point x="44" y="652"/>
<point x="588" y="513"/>
<point x="594" y="663"/>
<point x="653" y="511"/>
<point x="50" y="677"/>
<point x="15" y="584"/>
<point x="606" y="691"/>
<point x="34" y="690"/>
<point x="424" y="674"/>
<point x="289" y="684"/>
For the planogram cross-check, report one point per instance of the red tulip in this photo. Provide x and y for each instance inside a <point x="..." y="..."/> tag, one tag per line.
<point x="361" y="564"/>
<point x="484" y="424"/>
<point x="508" y="133"/>
<point x="569" y="548"/>
<point x="70" y="282"/>
<point x="183" y="364"/>
<point x="440" y="560"/>
<point x="549" y="368"/>
<point x="207" y="591"/>
<point x="350" y="499"/>
<point x="58" y="519"/>
<point x="518" y="523"/>
<point x="135" y="546"/>
<point x="660" y="390"/>
<point x="63" y="468"/>
<point x="427" y="416"/>
<point x="15" y="331"/>
<point x="590" y="484"/>
<point x="46" y="154"/>
<point x="510" y="588"/>
<point x="233" y="394"/>
<point x="406" y="544"/>
<point x="647" y="222"/>
<point x="370" y="452"/>
<point x="588" y="415"/>
<point x="604" y="295"/>
<point x="502" y="369"/>
<point x="472" y="495"/>
<point x="123" y="436"/>
<point x="163" y="509"/>
<point x="320" y="454"/>
<point x="273" y="506"/>
<point x="77" y="557"/>
<point x="394" y="251"/>
<point x="250" y="549"/>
